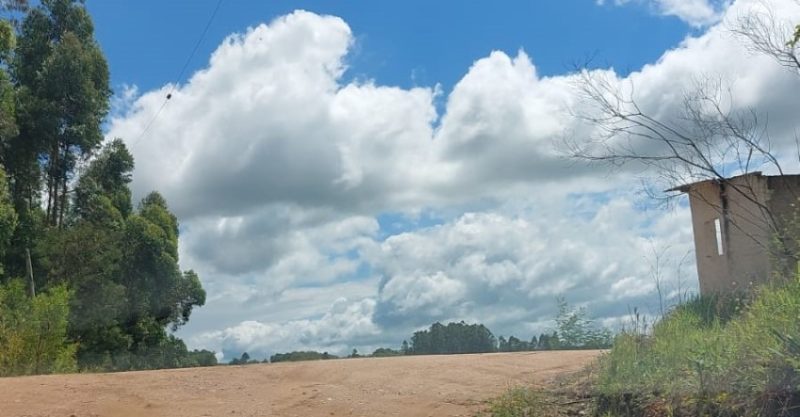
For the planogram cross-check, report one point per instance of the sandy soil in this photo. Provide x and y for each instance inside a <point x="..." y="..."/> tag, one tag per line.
<point x="454" y="385"/>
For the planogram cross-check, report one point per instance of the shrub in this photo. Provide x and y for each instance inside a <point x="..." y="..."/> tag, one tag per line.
<point x="33" y="331"/>
<point x="386" y="352"/>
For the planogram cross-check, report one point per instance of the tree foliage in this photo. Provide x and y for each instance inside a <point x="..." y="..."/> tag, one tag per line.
<point x="243" y="360"/>
<point x="576" y="331"/>
<point x="62" y="78"/>
<point x="33" y="331"/>
<point x="453" y="338"/>
<point x="78" y="231"/>
<point x="123" y="266"/>
<point x="8" y="218"/>
<point x="385" y="352"/>
<point x="301" y="356"/>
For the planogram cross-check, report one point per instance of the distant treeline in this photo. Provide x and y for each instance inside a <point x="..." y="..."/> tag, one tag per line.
<point x="300" y="356"/>
<point x="453" y="338"/>
<point x="574" y="332"/>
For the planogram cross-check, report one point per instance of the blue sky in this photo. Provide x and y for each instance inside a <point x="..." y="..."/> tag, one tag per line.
<point x="405" y="43"/>
<point x="350" y="172"/>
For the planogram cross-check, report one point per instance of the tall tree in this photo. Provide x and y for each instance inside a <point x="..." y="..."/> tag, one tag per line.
<point x="156" y="286"/>
<point x="123" y="267"/>
<point x="8" y="125"/>
<point x="88" y="254"/>
<point x="63" y="80"/>
<point x="102" y="194"/>
<point x="120" y="265"/>
<point x="8" y="218"/>
<point x="8" y="129"/>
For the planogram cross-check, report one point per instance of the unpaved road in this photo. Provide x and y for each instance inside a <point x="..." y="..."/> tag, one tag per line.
<point x="455" y="385"/>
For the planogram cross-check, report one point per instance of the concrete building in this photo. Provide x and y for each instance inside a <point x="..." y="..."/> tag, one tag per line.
<point x="744" y="229"/>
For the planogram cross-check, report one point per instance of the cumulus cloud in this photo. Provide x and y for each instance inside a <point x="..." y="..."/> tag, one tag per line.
<point x="505" y="269"/>
<point x="346" y="324"/>
<point x="484" y="262"/>
<point x="286" y="133"/>
<point x="291" y="246"/>
<point x="278" y="128"/>
<point x="697" y="13"/>
<point x="279" y="169"/>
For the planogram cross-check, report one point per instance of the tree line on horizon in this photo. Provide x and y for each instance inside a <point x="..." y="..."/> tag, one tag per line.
<point x="573" y="331"/>
<point x="89" y="279"/>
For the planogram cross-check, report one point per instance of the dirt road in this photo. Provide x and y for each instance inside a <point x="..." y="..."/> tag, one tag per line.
<point x="405" y="386"/>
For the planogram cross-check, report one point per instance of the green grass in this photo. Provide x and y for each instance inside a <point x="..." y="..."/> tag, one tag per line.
<point x="711" y="356"/>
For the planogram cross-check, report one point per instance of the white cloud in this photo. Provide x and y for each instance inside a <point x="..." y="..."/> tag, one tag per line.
<point x="278" y="169"/>
<point x="483" y="263"/>
<point x="694" y="12"/>
<point x="345" y="324"/>
<point x="697" y="13"/>
<point x="278" y="128"/>
<point x="504" y="269"/>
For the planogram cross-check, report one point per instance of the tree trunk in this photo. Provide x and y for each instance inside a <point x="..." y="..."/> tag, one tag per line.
<point x="29" y="268"/>
<point x="63" y="204"/>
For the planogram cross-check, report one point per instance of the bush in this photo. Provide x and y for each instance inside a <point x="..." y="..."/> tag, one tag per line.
<point x="33" y="331"/>
<point x="576" y="331"/>
<point x="386" y="352"/>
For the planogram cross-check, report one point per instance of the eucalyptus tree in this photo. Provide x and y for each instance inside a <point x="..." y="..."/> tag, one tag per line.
<point x="63" y="86"/>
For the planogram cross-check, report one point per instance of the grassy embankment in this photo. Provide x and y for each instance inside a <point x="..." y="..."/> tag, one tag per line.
<point x="711" y="356"/>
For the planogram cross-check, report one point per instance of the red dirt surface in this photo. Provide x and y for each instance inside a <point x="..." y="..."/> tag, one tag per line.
<point x="454" y="385"/>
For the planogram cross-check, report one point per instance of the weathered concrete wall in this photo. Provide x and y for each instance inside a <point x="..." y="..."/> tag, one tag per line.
<point x="784" y="192"/>
<point x="751" y="209"/>
<point x="712" y="269"/>
<point x="748" y="233"/>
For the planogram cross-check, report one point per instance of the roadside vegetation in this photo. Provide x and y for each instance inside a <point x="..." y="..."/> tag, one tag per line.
<point x="710" y="356"/>
<point x="729" y="355"/>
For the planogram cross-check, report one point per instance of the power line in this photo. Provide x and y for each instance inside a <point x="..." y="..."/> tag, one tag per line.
<point x="180" y="74"/>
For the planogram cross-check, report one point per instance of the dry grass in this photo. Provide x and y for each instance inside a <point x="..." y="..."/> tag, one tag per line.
<point x="567" y="395"/>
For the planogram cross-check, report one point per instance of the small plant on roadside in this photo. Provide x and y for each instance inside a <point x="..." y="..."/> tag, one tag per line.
<point x="523" y="402"/>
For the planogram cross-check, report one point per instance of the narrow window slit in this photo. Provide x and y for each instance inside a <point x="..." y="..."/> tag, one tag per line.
<point x="718" y="230"/>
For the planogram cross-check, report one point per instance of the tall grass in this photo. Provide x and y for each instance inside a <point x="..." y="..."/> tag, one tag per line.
<point x="710" y="356"/>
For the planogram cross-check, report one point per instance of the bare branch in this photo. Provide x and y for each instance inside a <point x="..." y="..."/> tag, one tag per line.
<point x="766" y="33"/>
